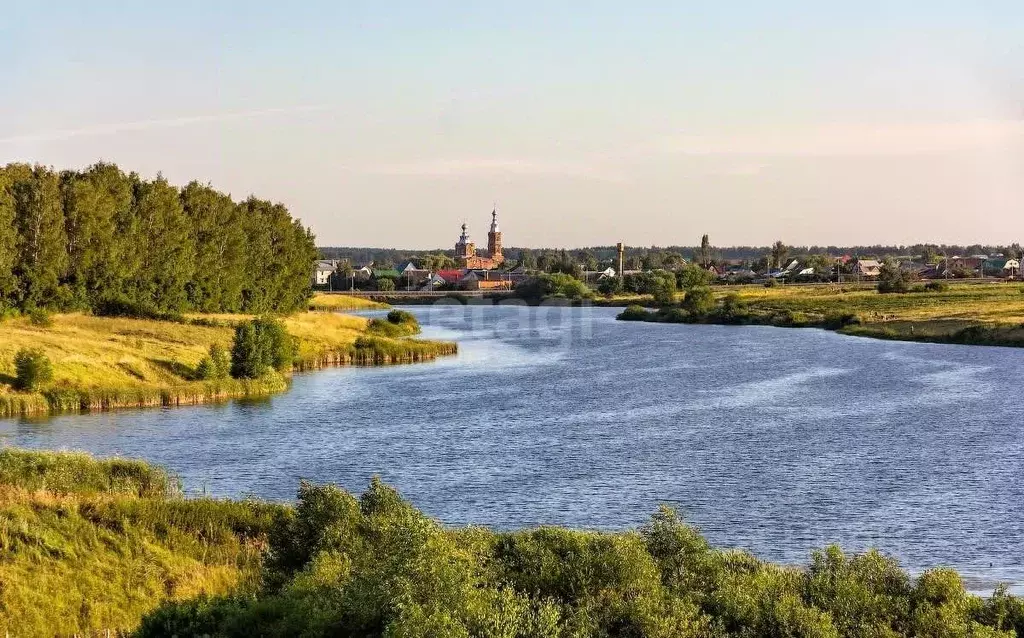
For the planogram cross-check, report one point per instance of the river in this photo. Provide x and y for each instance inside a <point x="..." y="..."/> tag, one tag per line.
<point x="770" y="439"/>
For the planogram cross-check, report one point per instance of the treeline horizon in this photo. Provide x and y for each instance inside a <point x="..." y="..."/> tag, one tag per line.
<point x="360" y="256"/>
<point x="112" y="242"/>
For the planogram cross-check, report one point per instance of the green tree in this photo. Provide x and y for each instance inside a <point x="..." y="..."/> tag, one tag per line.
<point x="705" y="251"/>
<point x="8" y="239"/>
<point x="39" y="220"/>
<point x="218" y="234"/>
<point x="94" y="201"/>
<point x="699" y="301"/>
<point x="779" y="254"/>
<point x="32" y="369"/>
<point x="692" y="276"/>
<point x="891" y="278"/>
<point x="261" y="345"/>
<point x="168" y="257"/>
<point x="664" y="292"/>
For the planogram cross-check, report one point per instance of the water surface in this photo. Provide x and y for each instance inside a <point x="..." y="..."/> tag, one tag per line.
<point x="775" y="440"/>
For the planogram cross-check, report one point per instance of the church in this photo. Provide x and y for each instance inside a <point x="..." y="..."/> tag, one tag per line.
<point x="466" y="255"/>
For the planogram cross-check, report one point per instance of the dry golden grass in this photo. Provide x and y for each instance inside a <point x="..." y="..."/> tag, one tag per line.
<point x="105" y="362"/>
<point x="328" y="302"/>
<point x="997" y="303"/>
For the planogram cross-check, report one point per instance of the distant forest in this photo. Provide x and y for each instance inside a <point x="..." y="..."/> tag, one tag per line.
<point x="103" y="240"/>
<point x="639" y="256"/>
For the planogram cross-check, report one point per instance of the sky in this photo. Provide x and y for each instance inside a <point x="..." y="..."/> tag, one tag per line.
<point x="587" y="123"/>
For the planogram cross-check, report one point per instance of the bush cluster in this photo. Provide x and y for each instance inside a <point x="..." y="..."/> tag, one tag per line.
<point x="375" y="566"/>
<point x="260" y="346"/>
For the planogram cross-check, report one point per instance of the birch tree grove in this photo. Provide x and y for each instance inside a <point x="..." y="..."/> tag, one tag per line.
<point x="110" y="242"/>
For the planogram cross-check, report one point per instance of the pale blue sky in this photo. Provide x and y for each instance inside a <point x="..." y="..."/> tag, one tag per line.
<point x="651" y="123"/>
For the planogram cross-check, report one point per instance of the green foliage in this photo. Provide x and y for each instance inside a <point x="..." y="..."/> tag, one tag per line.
<point x="216" y="365"/>
<point x="936" y="286"/>
<point x="398" y="323"/>
<point x="66" y="472"/>
<point x="693" y="276"/>
<point x="610" y="286"/>
<point x="699" y="301"/>
<point x="100" y="239"/>
<point x="634" y="312"/>
<point x="385" y="284"/>
<point x="664" y="291"/>
<point x="891" y="279"/>
<point x="260" y="346"/>
<point x="375" y="566"/>
<point x="32" y="369"/>
<point x="545" y="286"/>
<point x="39" y="317"/>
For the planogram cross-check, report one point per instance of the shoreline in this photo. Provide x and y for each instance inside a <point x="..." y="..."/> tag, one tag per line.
<point x="108" y="364"/>
<point x="939" y="331"/>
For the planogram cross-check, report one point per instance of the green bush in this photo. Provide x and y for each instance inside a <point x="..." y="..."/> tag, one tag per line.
<point x="216" y="365"/>
<point x="385" y="284"/>
<point x="32" y="369"/>
<point x="39" y="317"/>
<point x="375" y="566"/>
<point x="261" y="345"/>
<point x="544" y="286"/>
<point x="610" y="286"/>
<point x="699" y="301"/>
<point x="936" y="286"/>
<point x="634" y="312"/>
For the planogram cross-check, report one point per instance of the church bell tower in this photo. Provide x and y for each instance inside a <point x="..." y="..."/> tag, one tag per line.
<point x="494" y="238"/>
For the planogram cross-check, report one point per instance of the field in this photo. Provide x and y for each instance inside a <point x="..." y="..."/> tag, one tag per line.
<point x="105" y="362"/>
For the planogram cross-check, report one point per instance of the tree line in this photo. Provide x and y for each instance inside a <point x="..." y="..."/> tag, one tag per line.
<point x="102" y="240"/>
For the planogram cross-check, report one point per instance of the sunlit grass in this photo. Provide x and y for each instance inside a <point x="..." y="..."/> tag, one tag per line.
<point x="327" y="302"/>
<point x="92" y="545"/>
<point x="999" y="303"/>
<point x="106" y="362"/>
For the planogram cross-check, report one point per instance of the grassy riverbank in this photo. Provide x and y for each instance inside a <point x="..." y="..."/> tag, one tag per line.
<point x="326" y="302"/>
<point x="103" y="363"/>
<point x="88" y="546"/>
<point x="979" y="314"/>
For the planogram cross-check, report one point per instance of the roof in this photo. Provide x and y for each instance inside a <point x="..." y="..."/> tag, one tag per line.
<point x="451" y="276"/>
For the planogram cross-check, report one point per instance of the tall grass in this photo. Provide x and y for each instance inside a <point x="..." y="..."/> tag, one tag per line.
<point x="89" y="546"/>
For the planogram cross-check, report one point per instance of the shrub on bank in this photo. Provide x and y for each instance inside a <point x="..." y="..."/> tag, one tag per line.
<point x="634" y="312"/>
<point x="215" y="365"/>
<point x="32" y="369"/>
<point x="398" y="323"/>
<point x="375" y="566"/>
<point x="261" y="345"/>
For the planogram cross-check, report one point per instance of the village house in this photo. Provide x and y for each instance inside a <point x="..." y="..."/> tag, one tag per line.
<point x="322" y="272"/>
<point x="867" y="268"/>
